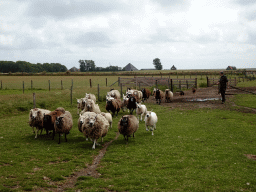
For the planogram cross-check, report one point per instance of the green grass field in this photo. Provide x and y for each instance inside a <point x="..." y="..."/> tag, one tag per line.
<point x="192" y="150"/>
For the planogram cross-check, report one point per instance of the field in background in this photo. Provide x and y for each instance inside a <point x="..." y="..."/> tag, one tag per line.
<point x="193" y="150"/>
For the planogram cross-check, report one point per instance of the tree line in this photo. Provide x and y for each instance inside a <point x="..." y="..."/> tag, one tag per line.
<point x="24" y="66"/>
<point x="89" y="65"/>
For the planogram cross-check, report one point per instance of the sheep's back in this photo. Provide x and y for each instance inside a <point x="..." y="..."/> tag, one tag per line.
<point x="133" y="125"/>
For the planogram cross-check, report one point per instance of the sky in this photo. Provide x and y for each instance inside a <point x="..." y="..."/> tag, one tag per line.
<point x="189" y="34"/>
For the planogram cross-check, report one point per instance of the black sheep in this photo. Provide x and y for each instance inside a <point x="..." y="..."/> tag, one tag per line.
<point x="131" y="104"/>
<point x="114" y="105"/>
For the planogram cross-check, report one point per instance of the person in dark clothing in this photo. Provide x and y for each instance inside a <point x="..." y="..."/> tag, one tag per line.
<point x="222" y="86"/>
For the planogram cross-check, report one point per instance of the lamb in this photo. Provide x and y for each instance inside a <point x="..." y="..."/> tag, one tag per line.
<point x="91" y="106"/>
<point x="108" y="116"/>
<point x="168" y="95"/>
<point x="36" y="119"/>
<point x="145" y="94"/>
<point x="128" y="125"/>
<point x="90" y="96"/>
<point x="63" y="124"/>
<point x="140" y="110"/>
<point x="114" y="93"/>
<point x="124" y="103"/>
<point x="114" y="105"/>
<point x="96" y="126"/>
<point x="150" y="120"/>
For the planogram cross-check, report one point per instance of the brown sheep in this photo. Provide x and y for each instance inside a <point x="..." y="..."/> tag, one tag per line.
<point x="145" y="94"/>
<point x="114" y="105"/>
<point x="128" y="125"/>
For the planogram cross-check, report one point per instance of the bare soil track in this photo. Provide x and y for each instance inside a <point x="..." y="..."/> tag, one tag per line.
<point x="188" y="101"/>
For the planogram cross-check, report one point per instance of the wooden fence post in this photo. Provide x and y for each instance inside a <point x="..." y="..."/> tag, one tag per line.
<point x="171" y="86"/>
<point x="106" y="82"/>
<point x="49" y="81"/>
<point x="31" y="84"/>
<point x="34" y="100"/>
<point x="98" y="92"/>
<point x="187" y="83"/>
<point x="121" y="85"/>
<point x="195" y="82"/>
<point x="207" y="81"/>
<point x="71" y="94"/>
<point x="61" y="85"/>
<point x="1" y="84"/>
<point x="118" y="81"/>
<point x="180" y="84"/>
<point x="72" y="83"/>
<point x="23" y="87"/>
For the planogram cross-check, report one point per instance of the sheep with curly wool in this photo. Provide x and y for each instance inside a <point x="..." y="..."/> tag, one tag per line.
<point x="140" y="110"/>
<point x="128" y="125"/>
<point x="108" y="116"/>
<point x="96" y="126"/>
<point x="36" y="119"/>
<point x="91" y="106"/>
<point x="138" y="95"/>
<point x="168" y="95"/>
<point x="150" y="121"/>
<point x="63" y="124"/>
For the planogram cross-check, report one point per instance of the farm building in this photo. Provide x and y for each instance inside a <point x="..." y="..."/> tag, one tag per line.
<point x="173" y="68"/>
<point x="74" y="69"/>
<point x="130" y="67"/>
<point x="231" y="68"/>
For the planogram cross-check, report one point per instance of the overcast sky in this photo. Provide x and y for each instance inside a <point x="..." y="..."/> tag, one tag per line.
<point x="190" y="34"/>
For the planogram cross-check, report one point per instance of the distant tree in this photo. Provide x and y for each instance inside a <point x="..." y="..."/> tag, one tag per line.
<point x="157" y="64"/>
<point x="82" y="65"/>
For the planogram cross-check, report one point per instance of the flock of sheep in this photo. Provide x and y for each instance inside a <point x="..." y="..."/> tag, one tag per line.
<point x="95" y="124"/>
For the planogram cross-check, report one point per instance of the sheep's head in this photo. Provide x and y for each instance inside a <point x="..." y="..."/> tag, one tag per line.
<point x="109" y="102"/>
<point x="58" y="121"/>
<point x="33" y="113"/>
<point x="132" y="99"/>
<point x="143" y="90"/>
<point x="124" y="121"/>
<point x="148" y="114"/>
<point x="138" y="105"/>
<point x="92" y="120"/>
<point x="78" y="101"/>
<point x="81" y="121"/>
<point x="47" y="118"/>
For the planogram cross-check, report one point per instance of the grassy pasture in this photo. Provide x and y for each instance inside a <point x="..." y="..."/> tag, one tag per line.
<point x="192" y="150"/>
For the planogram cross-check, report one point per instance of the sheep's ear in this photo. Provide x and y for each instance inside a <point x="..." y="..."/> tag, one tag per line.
<point x="151" y="110"/>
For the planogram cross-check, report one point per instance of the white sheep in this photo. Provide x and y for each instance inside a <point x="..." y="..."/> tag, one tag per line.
<point x="140" y="110"/>
<point x="90" y="96"/>
<point x="114" y="93"/>
<point x="150" y="121"/>
<point x="168" y="95"/>
<point x="82" y="119"/>
<point x="89" y="105"/>
<point x="36" y="119"/>
<point x="96" y="126"/>
<point x="108" y="116"/>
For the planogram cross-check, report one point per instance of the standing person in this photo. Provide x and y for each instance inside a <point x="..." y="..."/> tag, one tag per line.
<point x="222" y="86"/>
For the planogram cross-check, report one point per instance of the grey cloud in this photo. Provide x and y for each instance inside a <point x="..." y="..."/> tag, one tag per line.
<point x="93" y="39"/>
<point x="66" y="9"/>
<point x="245" y="2"/>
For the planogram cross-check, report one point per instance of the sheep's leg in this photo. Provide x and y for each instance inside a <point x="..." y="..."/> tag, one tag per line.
<point x="59" y="138"/>
<point x="37" y="129"/>
<point x="141" y="117"/>
<point x="33" y="130"/>
<point x="152" y="131"/>
<point x="94" y="142"/>
<point x="154" y="127"/>
<point x="41" y="131"/>
<point x="66" y="137"/>
<point x="53" y="134"/>
<point x="146" y="128"/>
